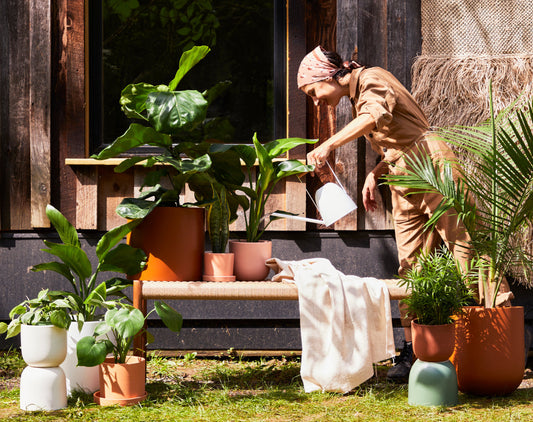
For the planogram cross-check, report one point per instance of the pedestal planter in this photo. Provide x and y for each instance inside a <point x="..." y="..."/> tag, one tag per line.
<point x="218" y="266"/>
<point x="81" y="378"/>
<point x="122" y="383"/>
<point x="433" y="343"/>
<point x="42" y="383"/>
<point x="432" y="384"/>
<point x="173" y="239"/>
<point x="250" y="259"/>
<point x="489" y="350"/>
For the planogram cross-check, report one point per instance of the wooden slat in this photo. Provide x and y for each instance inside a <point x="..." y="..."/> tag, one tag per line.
<point x="4" y="115"/>
<point x="86" y="197"/>
<point x="112" y="189"/>
<point x="40" y="95"/>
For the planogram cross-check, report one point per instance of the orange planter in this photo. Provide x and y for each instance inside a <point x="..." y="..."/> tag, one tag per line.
<point x="433" y="343"/>
<point x="218" y="266"/>
<point x="250" y="259"/>
<point x="173" y="239"/>
<point x="489" y="350"/>
<point x="122" y="383"/>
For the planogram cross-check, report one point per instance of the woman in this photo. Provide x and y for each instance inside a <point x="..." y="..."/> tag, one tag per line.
<point x="392" y="122"/>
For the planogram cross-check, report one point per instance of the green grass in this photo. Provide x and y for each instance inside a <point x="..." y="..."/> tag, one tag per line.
<point x="238" y="389"/>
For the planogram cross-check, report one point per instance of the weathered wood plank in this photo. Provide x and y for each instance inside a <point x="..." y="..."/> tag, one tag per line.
<point x="86" y="197"/>
<point x="4" y="114"/>
<point x="40" y="95"/>
<point x="112" y="189"/>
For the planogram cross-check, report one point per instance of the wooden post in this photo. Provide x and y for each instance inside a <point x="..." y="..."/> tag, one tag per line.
<point x="139" y="342"/>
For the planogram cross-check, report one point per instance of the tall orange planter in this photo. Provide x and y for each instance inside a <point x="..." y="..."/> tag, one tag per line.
<point x="173" y="239"/>
<point x="489" y="350"/>
<point x="122" y="383"/>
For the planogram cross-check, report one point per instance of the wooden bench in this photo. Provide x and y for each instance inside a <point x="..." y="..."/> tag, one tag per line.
<point x="235" y="290"/>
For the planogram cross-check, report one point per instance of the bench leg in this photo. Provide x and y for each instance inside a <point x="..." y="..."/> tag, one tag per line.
<point x="139" y="342"/>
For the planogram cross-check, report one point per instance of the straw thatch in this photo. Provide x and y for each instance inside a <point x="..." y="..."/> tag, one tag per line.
<point x="455" y="90"/>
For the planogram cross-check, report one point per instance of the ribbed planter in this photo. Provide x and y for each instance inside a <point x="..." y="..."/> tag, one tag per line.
<point x="433" y="343"/>
<point x="173" y="239"/>
<point x="122" y="383"/>
<point x="489" y="350"/>
<point x="250" y="258"/>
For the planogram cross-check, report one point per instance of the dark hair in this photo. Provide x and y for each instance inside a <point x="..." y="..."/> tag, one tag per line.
<point x="345" y="67"/>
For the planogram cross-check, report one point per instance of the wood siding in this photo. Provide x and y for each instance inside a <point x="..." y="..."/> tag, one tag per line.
<point x="43" y="86"/>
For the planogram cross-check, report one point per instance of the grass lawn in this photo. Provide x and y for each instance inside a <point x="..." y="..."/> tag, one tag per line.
<point x="230" y="388"/>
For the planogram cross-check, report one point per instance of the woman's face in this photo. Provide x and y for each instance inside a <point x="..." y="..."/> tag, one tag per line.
<point x="329" y="91"/>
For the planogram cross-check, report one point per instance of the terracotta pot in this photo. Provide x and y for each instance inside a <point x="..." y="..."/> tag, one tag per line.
<point x="250" y="259"/>
<point x="489" y="350"/>
<point x="122" y="383"/>
<point x="218" y="266"/>
<point x="433" y="343"/>
<point x="173" y="239"/>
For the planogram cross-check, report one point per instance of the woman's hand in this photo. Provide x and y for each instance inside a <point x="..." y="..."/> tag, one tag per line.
<point x="369" y="191"/>
<point x="319" y="155"/>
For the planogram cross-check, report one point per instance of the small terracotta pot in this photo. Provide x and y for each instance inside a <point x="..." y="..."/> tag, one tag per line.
<point x="489" y="350"/>
<point x="173" y="239"/>
<point x="250" y="258"/>
<point x="433" y="343"/>
<point x="218" y="266"/>
<point x="122" y="383"/>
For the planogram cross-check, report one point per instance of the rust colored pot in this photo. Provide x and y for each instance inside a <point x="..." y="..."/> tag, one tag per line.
<point x="250" y="258"/>
<point x="489" y="350"/>
<point x="433" y="343"/>
<point x="173" y="239"/>
<point x="122" y="383"/>
<point x="218" y="266"/>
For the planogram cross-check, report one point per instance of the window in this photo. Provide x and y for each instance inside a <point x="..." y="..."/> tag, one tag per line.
<point x="142" y="40"/>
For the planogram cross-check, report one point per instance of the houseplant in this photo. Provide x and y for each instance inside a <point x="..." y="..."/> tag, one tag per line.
<point x="439" y="289"/>
<point x="42" y="323"/>
<point x="176" y="124"/>
<point x="122" y="377"/>
<point x="261" y="181"/>
<point x="88" y="295"/>
<point x="493" y="198"/>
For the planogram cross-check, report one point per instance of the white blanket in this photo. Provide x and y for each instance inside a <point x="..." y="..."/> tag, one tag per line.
<point x="345" y="323"/>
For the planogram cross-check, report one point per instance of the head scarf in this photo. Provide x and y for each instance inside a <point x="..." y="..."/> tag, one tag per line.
<point x="315" y="67"/>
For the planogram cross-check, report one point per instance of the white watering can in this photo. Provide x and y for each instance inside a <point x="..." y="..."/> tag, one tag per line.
<point x="332" y="202"/>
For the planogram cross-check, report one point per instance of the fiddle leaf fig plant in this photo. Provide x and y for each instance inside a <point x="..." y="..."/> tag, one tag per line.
<point x="121" y="324"/>
<point x="269" y="173"/>
<point x="88" y="294"/>
<point x="176" y="124"/>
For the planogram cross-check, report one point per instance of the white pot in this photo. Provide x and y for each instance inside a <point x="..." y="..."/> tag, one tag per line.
<point x="42" y="389"/>
<point x="81" y="378"/>
<point x="43" y="345"/>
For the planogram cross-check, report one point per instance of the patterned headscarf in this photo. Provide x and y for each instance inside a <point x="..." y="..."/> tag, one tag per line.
<point x="315" y="67"/>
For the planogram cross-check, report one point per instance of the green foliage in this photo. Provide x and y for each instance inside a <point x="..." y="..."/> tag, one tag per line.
<point x="439" y="288"/>
<point x="494" y="198"/>
<point x="88" y="295"/>
<point x="269" y="173"/>
<point x="48" y="308"/>
<point x="121" y="323"/>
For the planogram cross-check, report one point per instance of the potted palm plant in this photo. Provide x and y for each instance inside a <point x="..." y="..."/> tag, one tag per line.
<point x="122" y="376"/>
<point x="261" y="181"/>
<point x="174" y="135"/>
<point x="42" y="323"/>
<point x="493" y="198"/>
<point x="88" y="295"/>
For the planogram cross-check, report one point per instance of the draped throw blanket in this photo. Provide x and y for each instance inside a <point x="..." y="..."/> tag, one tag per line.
<point x="345" y="323"/>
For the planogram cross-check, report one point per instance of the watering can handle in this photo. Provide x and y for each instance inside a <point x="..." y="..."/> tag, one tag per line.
<point x="336" y="178"/>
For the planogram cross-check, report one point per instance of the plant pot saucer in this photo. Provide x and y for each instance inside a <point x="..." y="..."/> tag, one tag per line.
<point x="102" y="401"/>
<point x="206" y="277"/>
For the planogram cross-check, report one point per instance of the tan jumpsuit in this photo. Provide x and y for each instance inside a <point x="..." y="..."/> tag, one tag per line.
<point x="401" y="128"/>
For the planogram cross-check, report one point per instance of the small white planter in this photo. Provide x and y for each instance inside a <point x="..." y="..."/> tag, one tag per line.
<point x="42" y="389"/>
<point x="43" y="346"/>
<point x="79" y="378"/>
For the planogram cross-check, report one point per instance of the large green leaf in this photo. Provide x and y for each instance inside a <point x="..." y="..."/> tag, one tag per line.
<point x="136" y="208"/>
<point x="281" y="146"/>
<point x="291" y="167"/>
<point x="126" y="322"/>
<point x="111" y="238"/>
<point x="57" y="267"/>
<point x="133" y="98"/>
<point x="187" y="61"/>
<point x="170" y="112"/>
<point x="124" y="259"/>
<point x="97" y="296"/>
<point x="72" y="256"/>
<point x="66" y="231"/>
<point x="90" y="352"/>
<point x="170" y="317"/>
<point x="136" y="135"/>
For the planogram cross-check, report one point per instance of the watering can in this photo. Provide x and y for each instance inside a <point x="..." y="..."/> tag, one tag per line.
<point x="332" y="202"/>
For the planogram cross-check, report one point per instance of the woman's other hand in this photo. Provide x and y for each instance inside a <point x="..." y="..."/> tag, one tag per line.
<point x="369" y="192"/>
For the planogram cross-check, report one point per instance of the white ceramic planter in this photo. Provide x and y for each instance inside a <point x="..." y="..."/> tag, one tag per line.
<point x="42" y="389"/>
<point x="81" y="378"/>
<point x="43" y="346"/>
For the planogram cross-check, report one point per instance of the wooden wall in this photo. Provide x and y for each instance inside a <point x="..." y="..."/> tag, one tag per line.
<point x="43" y="91"/>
